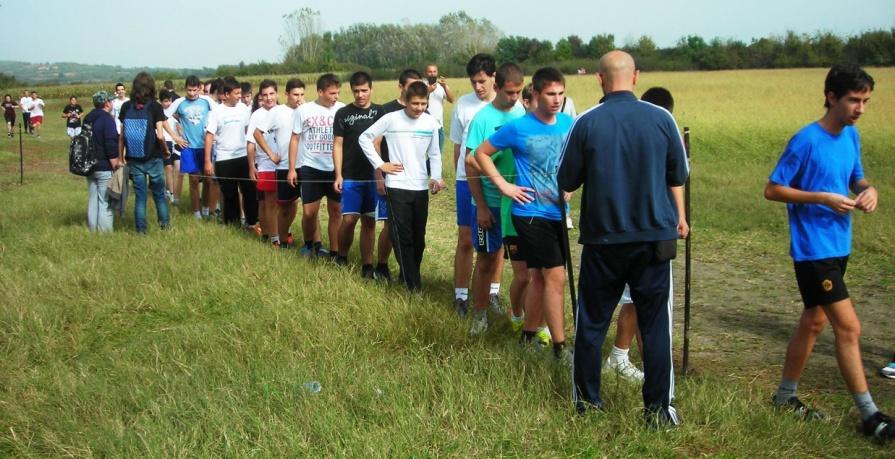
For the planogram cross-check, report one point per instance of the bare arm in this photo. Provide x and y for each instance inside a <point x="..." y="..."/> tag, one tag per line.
<point x="867" y="196"/>
<point x="262" y="143"/>
<point x="337" y="162"/>
<point x="292" y="177"/>
<point x="209" y="166"/>
<point x="250" y="156"/>
<point x="473" y="179"/>
<point x="683" y="228"/>
<point x="448" y="95"/>
<point x="837" y="202"/>
<point x="482" y="156"/>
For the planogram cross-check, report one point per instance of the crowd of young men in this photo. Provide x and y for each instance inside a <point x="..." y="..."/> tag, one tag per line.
<point x="518" y="157"/>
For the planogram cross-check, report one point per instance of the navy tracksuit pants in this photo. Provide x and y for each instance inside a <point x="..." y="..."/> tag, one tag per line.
<point x="605" y="269"/>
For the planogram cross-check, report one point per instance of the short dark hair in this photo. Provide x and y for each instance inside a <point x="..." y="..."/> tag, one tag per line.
<point x="526" y="92"/>
<point x="481" y="63"/>
<point x="360" y="78"/>
<point x="544" y="76"/>
<point x="118" y="84"/>
<point x="169" y="85"/>
<point x="293" y="83"/>
<point x="267" y="83"/>
<point x="246" y="87"/>
<point x="408" y="74"/>
<point x="143" y="88"/>
<point x="416" y="89"/>
<point x="659" y="96"/>
<point x="843" y="78"/>
<point x="328" y="80"/>
<point x="192" y="81"/>
<point x="229" y="85"/>
<point x="72" y="97"/>
<point x="509" y="73"/>
<point x="165" y="94"/>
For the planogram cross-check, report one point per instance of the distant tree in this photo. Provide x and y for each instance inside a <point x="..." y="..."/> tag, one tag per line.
<point x="600" y="45"/>
<point x="463" y="36"/>
<point x="871" y="48"/>
<point x="563" y="50"/>
<point x="579" y="48"/>
<point x="302" y="38"/>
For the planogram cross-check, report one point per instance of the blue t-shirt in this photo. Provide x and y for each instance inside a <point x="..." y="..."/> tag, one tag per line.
<point x="193" y="118"/>
<point x="537" y="149"/>
<point x="816" y="161"/>
<point x="486" y="122"/>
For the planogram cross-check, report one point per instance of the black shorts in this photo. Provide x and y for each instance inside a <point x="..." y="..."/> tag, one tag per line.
<point x="286" y="193"/>
<point x="540" y="239"/>
<point x="822" y="282"/>
<point x="316" y="184"/>
<point x="512" y="249"/>
<point x="10" y="118"/>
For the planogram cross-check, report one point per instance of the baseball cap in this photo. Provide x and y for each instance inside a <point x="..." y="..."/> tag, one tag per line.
<point x="101" y="97"/>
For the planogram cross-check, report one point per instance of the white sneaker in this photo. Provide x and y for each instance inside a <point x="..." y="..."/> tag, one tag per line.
<point x="479" y="323"/>
<point x="888" y="371"/>
<point x="544" y="337"/>
<point x="624" y="368"/>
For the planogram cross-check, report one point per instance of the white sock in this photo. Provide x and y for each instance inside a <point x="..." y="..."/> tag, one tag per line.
<point x="461" y="293"/>
<point x="197" y="214"/>
<point x="205" y="211"/>
<point x="495" y="288"/>
<point x="275" y="239"/>
<point x="618" y="354"/>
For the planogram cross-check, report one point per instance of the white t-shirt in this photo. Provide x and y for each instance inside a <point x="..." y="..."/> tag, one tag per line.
<point x="314" y="123"/>
<point x="410" y="142"/>
<point x="568" y="107"/>
<point x="464" y="111"/>
<point x="262" y="161"/>
<point x="436" y="103"/>
<point x="172" y="123"/>
<point x="228" y="124"/>
<point x="116" y="110"/>
<point x="37" y="107"/>
<point x="25" y="103"/>
<point x="277" y="126"/>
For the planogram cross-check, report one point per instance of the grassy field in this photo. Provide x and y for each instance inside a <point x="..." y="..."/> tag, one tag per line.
<point x="199" y="341"/>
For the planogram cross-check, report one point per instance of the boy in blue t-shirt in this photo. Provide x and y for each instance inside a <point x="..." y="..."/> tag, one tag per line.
<point x="536" y="140"/>
<point x="192" y="114"/>
<point x="816" y="172"/>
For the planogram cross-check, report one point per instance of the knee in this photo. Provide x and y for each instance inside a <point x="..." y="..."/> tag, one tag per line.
<point x="814" y="324"/>
<point x="848" y="332"/>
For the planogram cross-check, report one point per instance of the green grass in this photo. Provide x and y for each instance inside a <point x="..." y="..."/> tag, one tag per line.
<point x="197" y="341"/>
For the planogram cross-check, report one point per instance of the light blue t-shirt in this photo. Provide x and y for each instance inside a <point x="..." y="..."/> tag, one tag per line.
<point x="486" y="122"/>
<point x="537" y="148"/>
<point x="816" y="161"/>
<point x="193" y="118"/>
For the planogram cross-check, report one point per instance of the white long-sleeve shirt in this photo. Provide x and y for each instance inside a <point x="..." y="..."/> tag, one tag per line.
<point x="410" y="142"/>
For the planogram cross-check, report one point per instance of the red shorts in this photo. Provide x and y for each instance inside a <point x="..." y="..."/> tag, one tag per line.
<point x="267" y="181"/>
<point x="36" y="120"/>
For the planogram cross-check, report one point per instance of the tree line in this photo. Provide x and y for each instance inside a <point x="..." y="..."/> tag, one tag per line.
<point x="383" y="49"/>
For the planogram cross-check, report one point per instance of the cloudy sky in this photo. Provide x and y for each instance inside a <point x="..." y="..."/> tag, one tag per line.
<point x="198" y="33"/>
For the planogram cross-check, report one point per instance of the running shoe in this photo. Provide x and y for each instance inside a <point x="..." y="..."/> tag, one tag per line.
<point x="802" y="411"/>
<point x="382" y="273"/>
<point x="623" y="368"/>
<point x="543" y="336"/>
<point x="516" y="323"/>
<point x="461" y="306"/>
<point x="367" y="272"/>
<point x="888" y="371"/>
<point x="479" y="323"/>
<point x="662" y="419"/>
<point x="496" y="307"/>
<point x="879" y="426"/>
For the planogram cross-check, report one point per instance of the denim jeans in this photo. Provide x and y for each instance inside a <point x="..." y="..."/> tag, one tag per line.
<point x="99" y="213"/>
<point x="139" y="170"/>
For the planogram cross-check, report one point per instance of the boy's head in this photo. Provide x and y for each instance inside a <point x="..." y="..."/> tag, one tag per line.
<point x="165" y="97"/>
<point x="193" y="87"/>
<point x="528" y="100"/>
<point x="267" y="93"/>
<point x="231" y="91"/>
<point x="548" y="87"/>
<point x="847" y="91"/>
<point x="246" y="88"/>
<point x="72" y="100"/>
<point x="416" y="99"/>
<point x="295" y="92"/>
<point x="480" y="70"/>
<point x="168" y="85"/>
<point x="120" y="91"/>
<point x="406" y="77"/>
<point x="34" y="94"/>
<point x="328" y="89"/>
<point x="659" y="96"/>
<point x="361" y="88"/>
<point x="509" y="80"/>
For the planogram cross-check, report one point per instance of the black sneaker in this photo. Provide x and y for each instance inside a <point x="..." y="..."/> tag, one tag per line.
<point x="462" y="307"/>
<point x="382" y="273"/>
<point x="802" y="411"/>
<point x="662" y="419"/>
<point x="879" y="426"/>
<point x="367" y="272"/>
<point x="340" y="260"/>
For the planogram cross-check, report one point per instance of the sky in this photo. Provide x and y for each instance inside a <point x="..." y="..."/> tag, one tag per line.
<point x="199" y="33"/>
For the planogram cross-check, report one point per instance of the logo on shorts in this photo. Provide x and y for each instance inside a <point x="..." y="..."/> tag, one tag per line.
<point x="514" y="249"/>
<point x="827" y="285"/>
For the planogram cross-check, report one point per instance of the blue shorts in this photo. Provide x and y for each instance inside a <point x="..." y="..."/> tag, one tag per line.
<point x="381" y="206"/>
<point x="192" y="161"/>
<point x="464" y="204"/>
<point x="359" y="198"/>
<point x="486" y="241"/>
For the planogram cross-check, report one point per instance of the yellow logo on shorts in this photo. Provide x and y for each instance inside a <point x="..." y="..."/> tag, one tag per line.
<point x="827" y="285"/>
<point x="513" y="249"/>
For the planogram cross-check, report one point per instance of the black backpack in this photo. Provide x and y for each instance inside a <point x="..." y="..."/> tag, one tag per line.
<point x="82" y="152"/>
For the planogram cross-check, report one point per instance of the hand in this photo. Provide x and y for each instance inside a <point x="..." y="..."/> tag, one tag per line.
<point x="391" y="168"/>
<point x="683" y="229"/>
<point x="380" y="187"/>
<point x="567" y="197"/>
<point x="292" y="178"/>
<point x="839" y="203"/>
<point x="166" y="153"/>
<point x="253" y="174"/>
<point x="180" y="141"/>
<point x="337" y="185"/>
<point x="275" y="158"/>
<point x="436" y="185"/>
<point x="442" y="82"/>
<point x="519" y="194"/>
<point x="867" y="200"/>
<point x="484" y="217"/>
<point x="433" y="87"/>
<point x="209" y="169"/>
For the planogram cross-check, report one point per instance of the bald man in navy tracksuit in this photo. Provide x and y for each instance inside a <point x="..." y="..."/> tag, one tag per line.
<point x="627" y="154"/>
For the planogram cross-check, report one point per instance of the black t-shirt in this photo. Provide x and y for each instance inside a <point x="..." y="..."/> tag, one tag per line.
<point x="389" y="107"/>
<point x="9" y="109"/>
<point x="74" y="115"/>
<point x="350" y="123"/>
<point x="156" y="114"/>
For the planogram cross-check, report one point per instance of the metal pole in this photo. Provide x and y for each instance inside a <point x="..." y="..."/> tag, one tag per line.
<point x="21" y="158"/>
<point x="687" y="270"/>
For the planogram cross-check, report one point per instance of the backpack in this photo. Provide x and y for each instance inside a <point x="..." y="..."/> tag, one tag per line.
<point x="138" y="131"/>
<point x="82" y="152"/>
